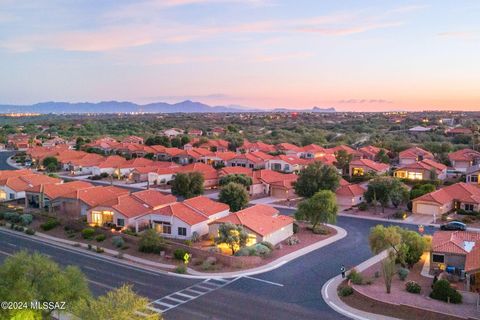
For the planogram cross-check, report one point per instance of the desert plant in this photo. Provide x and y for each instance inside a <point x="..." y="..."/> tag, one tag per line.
<point x="151" y="242"/>
<point x="179" y="254"/>
<point x="267" y="244"/>
<point x="363" y="206"/>
<point x="88" y="233"/>
<point x="89" y="246"/>
<point x="413" y="287"/>
<point x="296" y="228"/>
<point x="403" y="273"/>
<point x="293" y="240"/>
<point x="26" y="219"/>
<point x="345" y="291"/>
<point x="100" y="237"/>
<point x="30" y="232"/>
<point x="49" y="224"/>
<point x="195" y="236"/>
<point x="12" y="217"/>
<point x="442" y="290"/>
<point x="118" y="241"/>
<point x="181" y="269"/>
<point x="355" y="277"/>
<point x="99" y="249"/>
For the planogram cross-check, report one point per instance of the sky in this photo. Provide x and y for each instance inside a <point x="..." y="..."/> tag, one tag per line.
<point x="369" y="55"/>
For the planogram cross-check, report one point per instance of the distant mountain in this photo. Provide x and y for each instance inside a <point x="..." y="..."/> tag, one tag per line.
<point x="126" y="107"/>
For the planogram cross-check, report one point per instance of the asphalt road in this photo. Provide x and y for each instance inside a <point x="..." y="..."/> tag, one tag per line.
<point x="292" y="291"/>
<point x="4" y="155"/>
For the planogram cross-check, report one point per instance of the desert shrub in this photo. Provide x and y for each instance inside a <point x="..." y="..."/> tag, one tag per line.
<point x="49" y="224"/>
<point x="19" y="228"/>
<point x="100" y="237"/>
<point x="345" y="291"/>
<point x="262" y="250"/>
<point x="130" y="232"/>
<point x="243" y="252"/>
<point x="188" y="243"/>
<point x="119" y="255"/>
<point x="118" y="241"/>
<point x="181" y="269"/>
<point x="293" y="240"/>
<point x="151" y="242"/>
<point x="99" y="249"/>
<point x="195" y="236"/>
<point x="443" y="291"/>
<point x="363" y="206"/>
<point x="268" y="245"/>
<point x="403" y="273"/>
<point x="179" y="254"/>
<point x="73" y="226"/>
<point x="413" y="287"/>
<point x="12" y="217"/>
<point x="89" y="246"/>
<point x="26" y="219"/>
<point x="207" y="265"/>
<point x="88" y="233"/>
<point x="355" y="277"/>
<point x="400" y="214"/>
<point x="104" y="175"/>
<point x="321" y="229"/>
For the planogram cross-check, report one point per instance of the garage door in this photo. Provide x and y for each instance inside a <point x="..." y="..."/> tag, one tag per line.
<point x="427" y="209"/>
<point x="278" y="193"/>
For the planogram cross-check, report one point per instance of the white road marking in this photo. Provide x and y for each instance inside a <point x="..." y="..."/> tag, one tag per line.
<point x="266" y="281"/>
<point x="184" y="295"/>
<point x="11" y="244"/>
<point x="6" y="253"/>
<point x="101" y="284"/>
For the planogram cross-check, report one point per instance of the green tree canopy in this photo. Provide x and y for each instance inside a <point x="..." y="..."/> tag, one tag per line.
<point x="35" y="277"/>
<point x="235" y="195"/>
<point x="235" y="237"/>
<point x="119" y="304"/>
<point x="50" y="163"/>
<point x="188" y="185"/>
<point x="382" y="156"/>
<point x="343" y="159"/>
<point x="386" y="190"/>
<point x="316" y="177"/>
<point x="321" y="208"/>
<point x="242" y="179"/>
<point x="420" y="190"/>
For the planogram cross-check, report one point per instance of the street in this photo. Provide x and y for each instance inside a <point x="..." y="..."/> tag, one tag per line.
<point x="293" y="291"/>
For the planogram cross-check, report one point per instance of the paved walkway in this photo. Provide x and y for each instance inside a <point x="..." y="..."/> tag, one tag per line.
<point x="329" y="294"/>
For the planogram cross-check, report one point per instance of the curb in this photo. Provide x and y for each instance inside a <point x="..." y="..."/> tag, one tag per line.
<point x="152" y="266"/>
<point x="330" y="296"/>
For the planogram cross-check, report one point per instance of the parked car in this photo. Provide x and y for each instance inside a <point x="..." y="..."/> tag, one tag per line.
<point x="454" y="225"/>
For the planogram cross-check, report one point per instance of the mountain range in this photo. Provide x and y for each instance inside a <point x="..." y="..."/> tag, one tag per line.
<point x="129" y="107"/>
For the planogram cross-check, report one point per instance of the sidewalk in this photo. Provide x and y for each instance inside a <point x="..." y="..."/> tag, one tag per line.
<point x="157" y="267"/>
<point x="330" y="295"/>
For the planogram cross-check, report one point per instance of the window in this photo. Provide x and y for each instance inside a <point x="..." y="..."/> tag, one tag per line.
<point x="473" y="178"/>
<point x="121" y="222"/>
<point x="182" y="231"/>
<point x="438" y="258"/>
<point x="12" y="196"/>
<point x="469" y="207"/>
<point x="163" y="227"/>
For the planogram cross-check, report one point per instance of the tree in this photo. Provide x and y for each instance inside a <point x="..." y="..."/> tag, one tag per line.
<point x="188" y="185"/>
<point x="412" y="247"/>
<point x="382" y="157"/>
<point x="50" y="163"/>
<point x="388" y="271"/>
<point x="235" y="140"/>
<point x="235" y="237"/>
<point x="321" y="208"/>
<point x="316" y="177"/>
<point x="121" y="304"/>
<point x="242" y="179"/>
<point x="343" y="159"/>
<point x="176" y="142"/>
<point x="35" y="277"/>
<point x="420" y="190"/>
<point x="151" y="242"/>
<point x="185" y="140"/>
<point x="158" y="140"/>
<point x="235" y="195"/>
<point x="386" y="190"/>
<point x="382" y="238"/>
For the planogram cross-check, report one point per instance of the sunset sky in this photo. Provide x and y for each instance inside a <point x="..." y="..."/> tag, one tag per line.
<point x="349" y="54"/>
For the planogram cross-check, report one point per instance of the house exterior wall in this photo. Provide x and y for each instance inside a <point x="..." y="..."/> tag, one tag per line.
<point x="461" y="165"/>
<point x="349" y="201"/>
<point x="451" y="260"/>
<point x="11" y="194"/>
<point x="279" y="235"/>
<point x="257" y="189"/>
<point x="430" y="208"/>
<point x="405" y="161"/>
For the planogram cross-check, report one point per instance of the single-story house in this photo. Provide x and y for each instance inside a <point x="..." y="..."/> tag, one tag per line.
<point x="457" y="252"/>
<point x="252" y="160"/>
<point x="248" y="146"/>
<point x="413" y="155"/>
<point x="181" y="220"/>
<point x="422" y="170"/>
<point x="218" y="158"/>
<point x="362" y="167"/>
<point x="14" y="185"/>
<point x="312" y="151"/>
<point x="261" y="222"/>
<point x="457" y="196"/>
<point x="287" y="163"/>
<point x="472" y="174"/>
<point x="462" y="160"/>
<point x="371" y="152"/>
<point x="350" y="195"/>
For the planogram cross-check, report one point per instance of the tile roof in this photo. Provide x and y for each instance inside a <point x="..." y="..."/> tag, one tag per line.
<point x="53" y="191"/>
<point x="23" y="182"/>
<point x="97" y="195"/>
<point x="261" y="219"/>
<point x="461" y="191"/>
<point x="182" y="212"/>
<point x="414" y="152"/>
<point x="154" y="198"/>
<point x="376" y="166"/>
<point x="425" y="164"/>
<point x="206" y="205"/>
<point x="235" y="170"/>
<point x="459" y="243"/>
<point x="350" y="190"/>
<point x="464" y="155"/>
